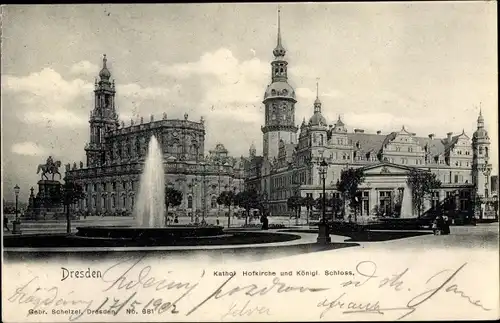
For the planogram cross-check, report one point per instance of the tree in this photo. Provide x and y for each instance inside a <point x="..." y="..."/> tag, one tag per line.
<point x="227" y="198"/>
<point x="68" y="194"/>
<point x="350" y="179"/>
<point x="248" y="200"/>
<point x="294" y="203"/>
<point x="421" y="183"/>
<point x="308" y="202"/>
<point x="173" y="198"/>
<point x="336" y="205"/>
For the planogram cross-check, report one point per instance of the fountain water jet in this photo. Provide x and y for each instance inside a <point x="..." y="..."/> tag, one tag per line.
<point x="149" y="210"/>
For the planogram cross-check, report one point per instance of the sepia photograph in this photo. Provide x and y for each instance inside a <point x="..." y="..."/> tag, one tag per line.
<point x="250" y="162"/>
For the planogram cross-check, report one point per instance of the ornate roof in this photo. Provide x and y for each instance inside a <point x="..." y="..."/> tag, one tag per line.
<point x="280" y="89"/>
<point x="104" y="74"/>
<point x="317" y="119"/>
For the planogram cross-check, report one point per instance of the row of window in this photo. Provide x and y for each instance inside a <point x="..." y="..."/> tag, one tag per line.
<point x="114" y="185"/>
<point x="112" y="200"/>
<point x="410" y="149"/>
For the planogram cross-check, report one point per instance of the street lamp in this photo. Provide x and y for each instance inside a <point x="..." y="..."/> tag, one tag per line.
<point x="323" y="230"/>
<point x="16" y="224"/>
<point x="219" y="170"/>
<point x="203" y="196"/>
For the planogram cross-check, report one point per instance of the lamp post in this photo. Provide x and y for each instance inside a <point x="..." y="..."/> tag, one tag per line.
<point x="16" y="224"/>
<point x="203" y="196"/>
<point x="219" y="170"/>
<point x="323" y="230"/>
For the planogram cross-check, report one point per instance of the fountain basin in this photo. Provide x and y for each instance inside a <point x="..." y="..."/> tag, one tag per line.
<point x="169" y="234"/>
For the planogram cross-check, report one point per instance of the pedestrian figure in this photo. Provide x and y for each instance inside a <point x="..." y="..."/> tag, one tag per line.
<point x="6" y="223"/>
<point x="446" y="225"/>
<point x="265" y="222"/>
<point x="438" y="225"/>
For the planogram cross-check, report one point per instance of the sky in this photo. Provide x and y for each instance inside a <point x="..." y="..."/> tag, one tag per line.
<point x="427" y="66"/>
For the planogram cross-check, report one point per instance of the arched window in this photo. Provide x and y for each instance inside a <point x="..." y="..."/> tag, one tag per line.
<point x="94" y="202"/>
<point x="190" y="202"/>
<point x="113" y="201"/>
<point x="127" y="149"/>
<point x="273" y="92"/>
<point x="138" y="147"/>
<point x="103" y="202"/>
<point x="214" y="202"/>
<point x="132" y="202"/>
<point x="124" y="201"/>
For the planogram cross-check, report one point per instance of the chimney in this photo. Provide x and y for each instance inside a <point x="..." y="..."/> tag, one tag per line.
<point x="431" y="136"/>
<point x="449" y="136"/>
<point x="379" y="132"/>
<point x="359" y="131"/>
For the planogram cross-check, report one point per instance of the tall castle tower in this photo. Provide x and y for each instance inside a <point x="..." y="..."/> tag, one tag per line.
<point x="481" y="169"/>
<point x="279" y="101"/>
<point x="103" y="118"/>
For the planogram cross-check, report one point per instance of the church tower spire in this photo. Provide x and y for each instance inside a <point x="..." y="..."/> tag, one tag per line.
<point x="481" y="167"/>
<point x="103" y="118"/>
<point x="279" y="101"/>
<point x="279" y="51"/>
<point x="317" y="102"/>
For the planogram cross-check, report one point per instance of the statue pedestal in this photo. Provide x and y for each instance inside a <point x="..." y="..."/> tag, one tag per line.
<point x="48" y="201"/>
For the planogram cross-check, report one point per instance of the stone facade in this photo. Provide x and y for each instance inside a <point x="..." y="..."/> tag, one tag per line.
<point x="116" y="154"/>
<point x="290" y="167"/>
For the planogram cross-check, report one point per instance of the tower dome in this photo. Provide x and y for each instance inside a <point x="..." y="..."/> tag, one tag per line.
<point x="104" y="74"/>
<point x="279" y="89"/>
<point x="481" y="132"/>
<point x="317" y="119"/>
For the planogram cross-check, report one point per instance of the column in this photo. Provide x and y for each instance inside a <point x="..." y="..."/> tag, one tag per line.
<point x="372" y="200"/>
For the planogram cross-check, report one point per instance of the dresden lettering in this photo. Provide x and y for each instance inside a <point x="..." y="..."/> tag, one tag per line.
<point x="80" y="274"/>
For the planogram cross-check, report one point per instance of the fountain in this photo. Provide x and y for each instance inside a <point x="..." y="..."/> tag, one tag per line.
<point x="150" y="207"/>
<point x="149" y="213"/>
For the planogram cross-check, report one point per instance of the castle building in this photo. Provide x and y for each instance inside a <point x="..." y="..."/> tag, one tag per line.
<point x="290" y="166"/>
<point x="116" y="153"/>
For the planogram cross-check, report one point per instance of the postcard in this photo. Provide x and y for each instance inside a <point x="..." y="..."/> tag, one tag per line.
<point x="227" y="162"/>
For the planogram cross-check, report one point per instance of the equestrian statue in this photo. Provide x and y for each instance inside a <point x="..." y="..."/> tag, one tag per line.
<point x="50" y="167"/>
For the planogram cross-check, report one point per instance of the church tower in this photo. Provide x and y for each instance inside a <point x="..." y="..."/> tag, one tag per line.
<point x="279" y="102"/>
<point x="103" y="118"/>
<point x="481" y="169"/>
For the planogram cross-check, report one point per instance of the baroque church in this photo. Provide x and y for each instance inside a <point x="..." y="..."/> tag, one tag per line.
<point x="289" y="164"/>
<point x="116" y="152"/>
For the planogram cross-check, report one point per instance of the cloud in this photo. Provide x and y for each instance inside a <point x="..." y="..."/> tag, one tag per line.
<point x="85" y="68"/>
<point x="58" y="118"/>
<point x="225" y="79"/>
<point x="28" y="148"/>
<point x="47" y="98"/>
<point x="47" y="87"/>
<point x="136" y="91"/>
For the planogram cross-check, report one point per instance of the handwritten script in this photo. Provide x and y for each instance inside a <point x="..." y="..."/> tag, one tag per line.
<point x="444" y="281"/>
<point x="130" y="287"/>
